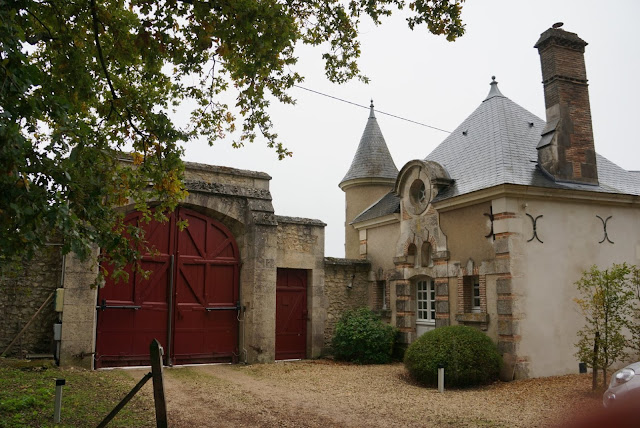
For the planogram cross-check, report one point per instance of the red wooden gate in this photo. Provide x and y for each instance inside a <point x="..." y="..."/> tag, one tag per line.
<point x="291" y="314"/>
<point x="206" y="319"/>
<point x="200" y="293"/>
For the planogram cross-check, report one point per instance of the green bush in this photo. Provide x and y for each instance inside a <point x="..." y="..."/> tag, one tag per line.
<point x="361" y="337"/>
<point x="468" y="355"/>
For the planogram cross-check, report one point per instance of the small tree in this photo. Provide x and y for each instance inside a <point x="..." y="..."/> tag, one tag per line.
<point x="634" y="325"/>
<point x="605" y="302"/>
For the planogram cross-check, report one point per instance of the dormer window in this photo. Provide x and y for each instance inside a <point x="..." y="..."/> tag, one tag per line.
<point x="418" y="183"/>
<point x="419" y="194"/>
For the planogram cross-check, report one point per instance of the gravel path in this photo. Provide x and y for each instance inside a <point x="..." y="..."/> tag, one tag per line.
<point x="327" y="394"/>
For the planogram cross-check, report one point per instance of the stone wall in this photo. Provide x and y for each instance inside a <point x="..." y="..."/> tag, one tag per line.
<point x="338" y="275"/>
<point x="79" y="312"/>
<point x="300" y="242"/>
<point x="21" y="296"/>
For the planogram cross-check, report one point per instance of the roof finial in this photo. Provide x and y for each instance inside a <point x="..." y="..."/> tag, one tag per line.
<point x="372" y="115"/>
<point x="494" y="91"/>
<point x="557" y="25"/>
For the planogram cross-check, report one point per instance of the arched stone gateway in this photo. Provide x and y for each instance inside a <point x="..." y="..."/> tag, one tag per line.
<point x="213" y="292"/>
<point x="190" y="302"/>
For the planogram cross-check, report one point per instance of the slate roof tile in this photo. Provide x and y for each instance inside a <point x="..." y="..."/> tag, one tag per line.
<point x="388" y="204"/>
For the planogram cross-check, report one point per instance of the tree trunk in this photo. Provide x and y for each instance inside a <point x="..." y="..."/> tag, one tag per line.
<point x="594" y="384"/>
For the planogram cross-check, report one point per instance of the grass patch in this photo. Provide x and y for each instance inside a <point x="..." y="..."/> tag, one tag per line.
<point x="27" y="395"/>
<point x="188" y="374"/>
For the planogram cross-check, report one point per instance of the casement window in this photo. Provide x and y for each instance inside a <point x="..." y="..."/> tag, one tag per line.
<point x="475" y="295"/>
<point x="426" y="301"/>
<point x="472" y="294"/>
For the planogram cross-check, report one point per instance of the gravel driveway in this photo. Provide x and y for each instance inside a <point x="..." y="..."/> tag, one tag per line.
<point x="329" y="394"/>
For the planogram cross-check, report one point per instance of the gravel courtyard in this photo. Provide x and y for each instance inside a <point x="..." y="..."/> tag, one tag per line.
<point x="328" y="394"/>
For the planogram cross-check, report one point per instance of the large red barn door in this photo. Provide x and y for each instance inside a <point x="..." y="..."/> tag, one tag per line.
<point x="206" y="300"/>
<point x="134" y="313"/>
<point x="291" y="314"/>
<point x="204" y="297"/>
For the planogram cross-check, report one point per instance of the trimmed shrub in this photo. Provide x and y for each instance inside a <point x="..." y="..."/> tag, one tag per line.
<point x="361" y="337"/>
<point x="469" y="357"/>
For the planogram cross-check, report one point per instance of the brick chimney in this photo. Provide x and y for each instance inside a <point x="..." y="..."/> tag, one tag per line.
<point x="566" y="149"/>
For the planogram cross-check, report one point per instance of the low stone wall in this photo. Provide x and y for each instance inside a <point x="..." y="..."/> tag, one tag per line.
<point x="338" y="275"/>
<point x="21" y="296"/>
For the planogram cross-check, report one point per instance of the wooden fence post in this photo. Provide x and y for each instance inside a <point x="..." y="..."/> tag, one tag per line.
<point x="156" y="352"/>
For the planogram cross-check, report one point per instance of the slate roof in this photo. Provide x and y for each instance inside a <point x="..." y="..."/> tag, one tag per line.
<point x="388" y="204"/>
<point x="496" y="145"/>
<point x="372" y="159"/>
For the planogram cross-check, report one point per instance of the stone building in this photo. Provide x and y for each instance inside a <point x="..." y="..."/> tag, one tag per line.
<point x="490" y="230"/>
<point x="495" y="225"/>
<point x="239" y="284"/>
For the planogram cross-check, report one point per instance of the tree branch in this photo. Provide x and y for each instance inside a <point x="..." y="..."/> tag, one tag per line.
<point x="96" y="37"/>
<point x="35" y="38"/>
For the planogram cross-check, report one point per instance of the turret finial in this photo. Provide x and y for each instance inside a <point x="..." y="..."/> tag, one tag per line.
<point x="494" y="92"/>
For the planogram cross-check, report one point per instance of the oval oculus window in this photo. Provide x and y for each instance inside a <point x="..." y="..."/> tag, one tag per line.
<point x="419" y="194"/>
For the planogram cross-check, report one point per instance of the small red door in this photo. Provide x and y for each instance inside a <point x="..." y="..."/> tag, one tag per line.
<point x="201" y="291"/>
<point x="291" y="314"/>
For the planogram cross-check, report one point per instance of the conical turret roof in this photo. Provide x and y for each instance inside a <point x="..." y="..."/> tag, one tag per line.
<point x="372" y="159"/>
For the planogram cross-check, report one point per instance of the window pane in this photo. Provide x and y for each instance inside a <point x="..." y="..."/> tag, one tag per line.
<point x="476" y="294"/>
<point x="426" y="296"/>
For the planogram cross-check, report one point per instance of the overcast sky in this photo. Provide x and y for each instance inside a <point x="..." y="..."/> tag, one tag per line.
<point x="427" y="79"/>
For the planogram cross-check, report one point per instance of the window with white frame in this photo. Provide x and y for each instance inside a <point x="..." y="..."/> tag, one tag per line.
<point x="426" y="300"/>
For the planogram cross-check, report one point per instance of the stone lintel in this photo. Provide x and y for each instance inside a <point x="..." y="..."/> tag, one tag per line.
<point x="472" y="317"/>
